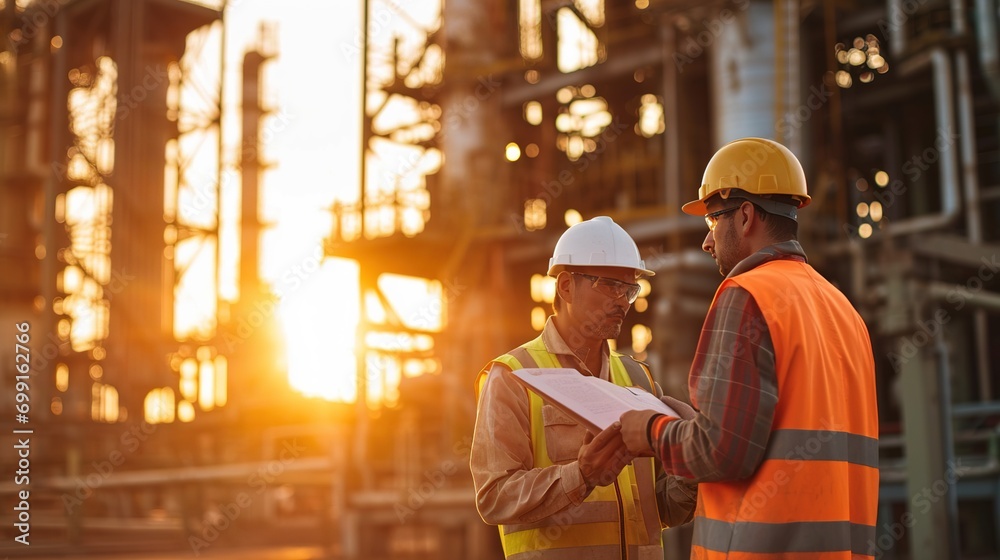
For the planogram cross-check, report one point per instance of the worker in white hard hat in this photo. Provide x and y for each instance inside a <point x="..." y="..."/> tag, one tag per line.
<point x="783" y="435"/>
<point x="556" y="491"/>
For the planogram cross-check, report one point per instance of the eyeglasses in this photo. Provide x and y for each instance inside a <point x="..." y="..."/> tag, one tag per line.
<point x="712" y="218"/>
<point x="612" y="288"/>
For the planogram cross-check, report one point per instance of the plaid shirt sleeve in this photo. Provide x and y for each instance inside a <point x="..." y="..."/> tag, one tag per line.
<point x="733" y="385"/>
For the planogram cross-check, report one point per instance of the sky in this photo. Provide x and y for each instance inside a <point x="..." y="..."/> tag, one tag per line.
<point x="314" y="86"/>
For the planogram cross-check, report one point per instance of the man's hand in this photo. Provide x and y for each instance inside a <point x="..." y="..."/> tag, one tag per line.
<point x="635" y="431"/>
<point x="683" y="409"/>
<point x="603" y="456"/>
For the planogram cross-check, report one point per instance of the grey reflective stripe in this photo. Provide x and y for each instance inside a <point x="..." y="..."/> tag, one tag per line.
<point x="646" y="490"/>
<point x="522" y="355"/>
<point x="586" y="512"/>
<point x="862" y="538"/>
<point x="636" y="373"/>
<point x="823" y="445"/>
<point x="599" y="552"/>
<point x="802" y="536"/>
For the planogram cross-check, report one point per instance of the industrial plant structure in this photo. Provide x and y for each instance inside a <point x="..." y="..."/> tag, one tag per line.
<point x="167" y="416"/>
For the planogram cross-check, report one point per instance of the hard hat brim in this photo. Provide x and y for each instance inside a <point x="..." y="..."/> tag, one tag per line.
<point x="695" y="208"/>
<point x="555" y="269"/>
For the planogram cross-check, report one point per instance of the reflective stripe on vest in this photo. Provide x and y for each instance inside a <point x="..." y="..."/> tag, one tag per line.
<point x="591" y="529"/>
<point x="763" y="538"/>
<point x="815" y="494"/>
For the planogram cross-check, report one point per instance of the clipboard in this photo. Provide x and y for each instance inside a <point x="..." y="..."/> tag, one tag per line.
<point x="591" y="401"/>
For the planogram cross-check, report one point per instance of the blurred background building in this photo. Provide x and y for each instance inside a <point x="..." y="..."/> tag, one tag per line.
<point x="205" y="381"/>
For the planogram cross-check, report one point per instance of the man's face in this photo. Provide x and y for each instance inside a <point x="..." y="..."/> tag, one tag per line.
<point x="724" y="242"/>
<point x="594" y="310"/>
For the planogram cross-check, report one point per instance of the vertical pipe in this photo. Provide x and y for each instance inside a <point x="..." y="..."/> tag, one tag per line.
<point x="922" y="415"/>
<point x="897" y="27"/>
<point x="780" y="65"/>
<point x="366" y="121"/>
<point x="970" y="164"/>
<point x="958" y="25"/>
<point x="836" y="146"/>
<point x="973" y="214"/>
<point x="349" y="522"/>
<point x="220" y="153"/>
<point x="948" y="438"/>
<point x="671" y="136"/>
<point x="362" y="369"/>
<point x="989" y="44"/>
<point x="944" y="105"/>
<point x="786" y="75"/>
<point x="53" y="184"/>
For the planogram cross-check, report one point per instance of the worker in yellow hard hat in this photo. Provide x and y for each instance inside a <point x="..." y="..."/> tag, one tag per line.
<point x="783" y="435"/>
<point x="555" y="492"/>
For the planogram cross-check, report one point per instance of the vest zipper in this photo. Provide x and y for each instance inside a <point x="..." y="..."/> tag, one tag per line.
<point x="621" y="521"/>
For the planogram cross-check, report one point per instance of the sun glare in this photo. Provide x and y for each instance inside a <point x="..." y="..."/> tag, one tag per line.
<point x="313" y="156"/>
<point x="319" y="321"/>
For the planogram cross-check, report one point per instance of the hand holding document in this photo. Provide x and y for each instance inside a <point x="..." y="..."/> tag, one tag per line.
<point x="591" y="401"/>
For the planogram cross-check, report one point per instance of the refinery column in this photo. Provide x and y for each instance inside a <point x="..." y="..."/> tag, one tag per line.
<point x="472" y="197"/>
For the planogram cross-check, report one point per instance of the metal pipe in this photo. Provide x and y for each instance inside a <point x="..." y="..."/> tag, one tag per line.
<point x="951" y="205"/>
<point x="973" y="213"/>
<point x="897" y="37"/>
<point x="966" y="410"/>
<point x="671" y="137"/>
<point x="947" y="435"/>
<point x="970" y="164"/>
<point x="986" y="300"/>
<point x="958" y="26"/>
<point x="989" y="44"/>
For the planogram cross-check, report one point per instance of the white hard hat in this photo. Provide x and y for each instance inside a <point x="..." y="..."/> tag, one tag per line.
<point x="596" y="242"/>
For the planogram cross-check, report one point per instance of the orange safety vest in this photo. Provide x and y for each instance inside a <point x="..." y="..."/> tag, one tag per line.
<point x="619" y="520"/>
<point x="815" y="494"/>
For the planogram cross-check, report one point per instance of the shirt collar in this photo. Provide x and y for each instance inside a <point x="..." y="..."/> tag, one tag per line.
<point x="786" y="250"/>
<point x="555" y="343"/>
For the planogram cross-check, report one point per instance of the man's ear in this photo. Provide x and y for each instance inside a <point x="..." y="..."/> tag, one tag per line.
<point x="564" y="286"/>
<point x="747" y="216"/>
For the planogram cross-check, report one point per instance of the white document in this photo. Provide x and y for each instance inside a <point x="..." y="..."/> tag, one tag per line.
<point x="593" y="402"/>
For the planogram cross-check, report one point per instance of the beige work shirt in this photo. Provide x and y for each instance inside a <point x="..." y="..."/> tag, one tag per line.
<point x="508" y="489"/>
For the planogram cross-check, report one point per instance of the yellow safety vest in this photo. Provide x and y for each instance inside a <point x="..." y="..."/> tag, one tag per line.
<point x="619" y="520"/>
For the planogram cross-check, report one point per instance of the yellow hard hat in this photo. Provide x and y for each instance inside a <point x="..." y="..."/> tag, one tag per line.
<point x="756" y="166"/>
